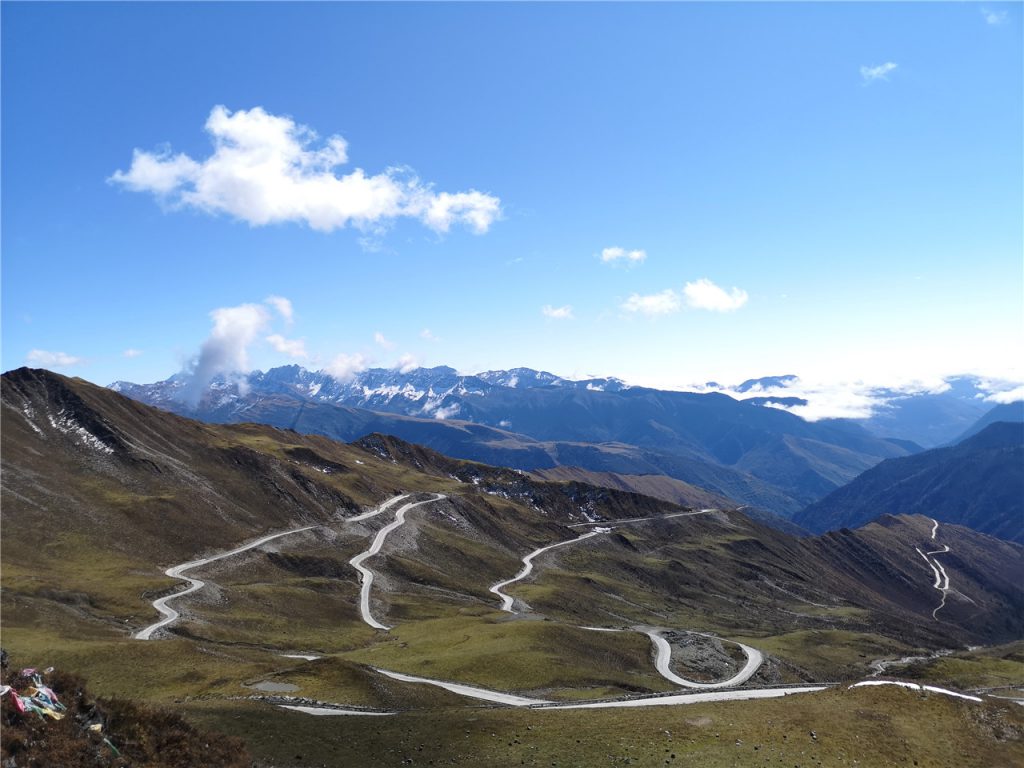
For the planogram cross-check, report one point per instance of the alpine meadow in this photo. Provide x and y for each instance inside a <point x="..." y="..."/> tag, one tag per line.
<point x="511" y="384"/>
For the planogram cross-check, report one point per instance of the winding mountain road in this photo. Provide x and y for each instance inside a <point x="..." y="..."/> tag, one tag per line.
<point x="177" y="572"/>
<point x="941" y="577"/>
<point x="663" y="660"/>
<point x="506" y="601"/>
<point x="365" y="574"/>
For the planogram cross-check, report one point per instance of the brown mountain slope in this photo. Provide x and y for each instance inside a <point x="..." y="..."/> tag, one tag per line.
<point x="101" y="494"/>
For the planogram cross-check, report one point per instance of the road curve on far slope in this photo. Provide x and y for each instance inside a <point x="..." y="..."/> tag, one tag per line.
<point x="177" y="572"/>
<point x="365" y="574"/>
<point x="664" y="656"/>
<point x="506" y="601"/>
<point x="631" y="520"/>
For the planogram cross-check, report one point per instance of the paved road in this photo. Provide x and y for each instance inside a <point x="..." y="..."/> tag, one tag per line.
<point x="664" y="656"/>
<point x="631" y="520"/>
<point x="177" y="572"/>
<point x="365" y="574"/>
<point x="506" y="601"/>
<point x="513" y="700"/>
<point x="693" y="698"/>
<point x="471" y="691"/>
<point x="941" y="577"/>
<point x="916" y="687"/>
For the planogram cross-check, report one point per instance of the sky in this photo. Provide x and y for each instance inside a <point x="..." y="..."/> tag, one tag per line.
<point x="666" y="193"/>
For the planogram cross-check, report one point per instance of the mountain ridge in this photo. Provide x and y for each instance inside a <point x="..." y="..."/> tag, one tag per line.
<point x="979" y="483"/>
<point x="682" y="434"/>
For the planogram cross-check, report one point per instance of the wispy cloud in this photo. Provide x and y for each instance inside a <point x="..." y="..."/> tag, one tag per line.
<point x="292" y="347"/>
<point x="383" y="341"/>
<point x="428" y="335"/>
<point x="993" y="18"/>
<point x="283" y="307"/>
<point x="268" y="169"/>
<point x="704" y="294"/>
<point x="616" y="254"/>
<point x="43" y="359"/>
<point x="131" y="353"/>
<point x="664" y="303"/>
<point x="557" y="313"/>
<point x="879" y="72"/>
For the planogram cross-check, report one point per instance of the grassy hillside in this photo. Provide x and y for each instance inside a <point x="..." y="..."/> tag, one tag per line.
<point x="101" y="494"/>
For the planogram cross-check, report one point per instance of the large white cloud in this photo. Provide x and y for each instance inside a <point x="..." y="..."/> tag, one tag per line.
<point x="664" y="303"/>
<point x="704" y="294"/>
<point x="267" y="169"/>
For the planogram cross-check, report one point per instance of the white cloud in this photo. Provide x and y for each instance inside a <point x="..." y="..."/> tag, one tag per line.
<point x="446" y="412"/>
<point x="226" y="349"/>
<point x="267" y="169"/>
<point x="383" y="341"/>
<point x="344" y="367"/>
<point x="993" y="18"/>
<point x="663" y="303"/>
<point x="406" y="363"/>
<point x="615" y="254"/>
<point x="283" y="307"/>
<point x="292" y="347"/>
<point x="43" y="359"/>
<point x="704" y="294"/>
<point x="557" y="313"/>
<point x="1001" y="391"/>
<point x="130" y="353"/>
<point x="880" y="72"/>
<point x="1006" y="396"/>
<point x="427" y="334"/>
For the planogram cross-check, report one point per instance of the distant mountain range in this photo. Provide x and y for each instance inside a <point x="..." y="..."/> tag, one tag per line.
<point x="1009" y="412"/>
<point x="529" y="420"/>
<point x="929" y="418"/>
<point x="117" y="488"/>
<point x="978" y="483"/>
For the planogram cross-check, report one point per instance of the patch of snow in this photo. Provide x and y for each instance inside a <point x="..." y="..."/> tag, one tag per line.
<point x="30" y="416"/>
<point x="69" y="426"/>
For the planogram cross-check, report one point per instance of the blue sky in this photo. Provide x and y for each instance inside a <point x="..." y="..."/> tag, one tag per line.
<point x="833" y="190"/>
